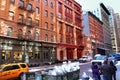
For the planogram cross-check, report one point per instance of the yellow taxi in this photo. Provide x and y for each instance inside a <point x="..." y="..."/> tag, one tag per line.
<point x="13" y="70"/>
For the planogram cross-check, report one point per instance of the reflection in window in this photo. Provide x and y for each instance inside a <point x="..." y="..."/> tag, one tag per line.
<point x="21" y="4"/>
<point x="37" y="9"/>
<point x="46" y="2"/>
<point x="9" y="32"/>
<point x="29" y="7"/>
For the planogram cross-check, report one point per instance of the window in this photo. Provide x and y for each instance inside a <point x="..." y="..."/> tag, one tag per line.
<point x="29" y="21"/>
<point x="29" y="7"/>
<point x="21" y="4"/>
<point x="60" y="26"/>
<point x="9" y="32"/>
<point x="51" y="5"/>
<point x="37" y="10"/>
<point x="37" y="22"/>
<point x="52" y="38"/>
<point x="37" y="0"/>
<point x="46" y="13"/>
<point x="12" y="1"/>
<point x="20" y="33"/>
<point x="15" y="67"/>
<point x="52" y="27"/>
<point x="61" y="36"/>
<point x="46" y="25"/>
<point x="46" y="37"/>
<point x="46" y="2"/>
<point x="51" y="15"/>
<point x="11" y="15"/>
<point x="7" y="68"/>
<point x="23" y="65"/>
<point x="37" y="36"/>
<point x="20" y="18"/>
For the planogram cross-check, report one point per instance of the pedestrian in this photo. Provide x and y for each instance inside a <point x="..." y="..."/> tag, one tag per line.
<point x="105" y="69"/>
<point x="113" y="70"/>
<point x="96" y="72"/>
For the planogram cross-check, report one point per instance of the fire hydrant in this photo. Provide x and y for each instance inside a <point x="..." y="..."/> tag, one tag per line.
<point x="85" y="76"/>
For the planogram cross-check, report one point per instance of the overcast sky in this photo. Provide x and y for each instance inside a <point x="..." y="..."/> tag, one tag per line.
<point x="86" y="4"/>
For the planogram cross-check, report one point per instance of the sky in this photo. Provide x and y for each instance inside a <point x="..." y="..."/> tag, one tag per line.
<point x="88" y="4"/>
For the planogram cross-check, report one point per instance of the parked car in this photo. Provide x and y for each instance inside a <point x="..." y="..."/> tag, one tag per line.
<point x="117" y="56"/>
<point x="13" y="70"/>
<point x="99" y="59"/>
<point x="85" y="59"/>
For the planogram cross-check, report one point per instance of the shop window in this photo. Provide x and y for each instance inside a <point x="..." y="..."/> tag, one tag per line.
<point x="17" y="56"/>
<point x="11" y="15"/>
<point x="9" y="32"/>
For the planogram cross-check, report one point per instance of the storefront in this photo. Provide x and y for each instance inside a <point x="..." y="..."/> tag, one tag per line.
<point x="20" y="50"/>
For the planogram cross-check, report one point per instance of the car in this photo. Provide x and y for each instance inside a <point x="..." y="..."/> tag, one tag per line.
<point x="85" y="59"/>
<point x="117" y="56"/>
<point x="99" y="60"/>
<point x="13" y="70"/>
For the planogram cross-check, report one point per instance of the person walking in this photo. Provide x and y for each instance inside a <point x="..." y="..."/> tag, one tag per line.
<point x="106" y="71"/>
<point x="113" y="70"/>
<point x="96" y="72"/>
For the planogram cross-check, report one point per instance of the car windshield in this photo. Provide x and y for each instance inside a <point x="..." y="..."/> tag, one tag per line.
<point x="100" y="57"/>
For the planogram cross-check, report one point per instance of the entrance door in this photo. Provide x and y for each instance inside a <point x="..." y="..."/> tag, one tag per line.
<point x="61" y="55"/>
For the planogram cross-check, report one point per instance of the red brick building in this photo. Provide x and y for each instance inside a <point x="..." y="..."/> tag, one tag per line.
<point x="94" y="30"/>
<point x="69" y="30"/>
<point x="30" y="30"/>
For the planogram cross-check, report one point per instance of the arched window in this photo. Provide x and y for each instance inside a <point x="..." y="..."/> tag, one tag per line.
<point x="29" y="7"/>
<point x="20" y="33"/>
<point x="9" y="32"/>
<point x="46" y="37"/>
<point x="52" y="38"/>
<point x="37" y="36"/>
